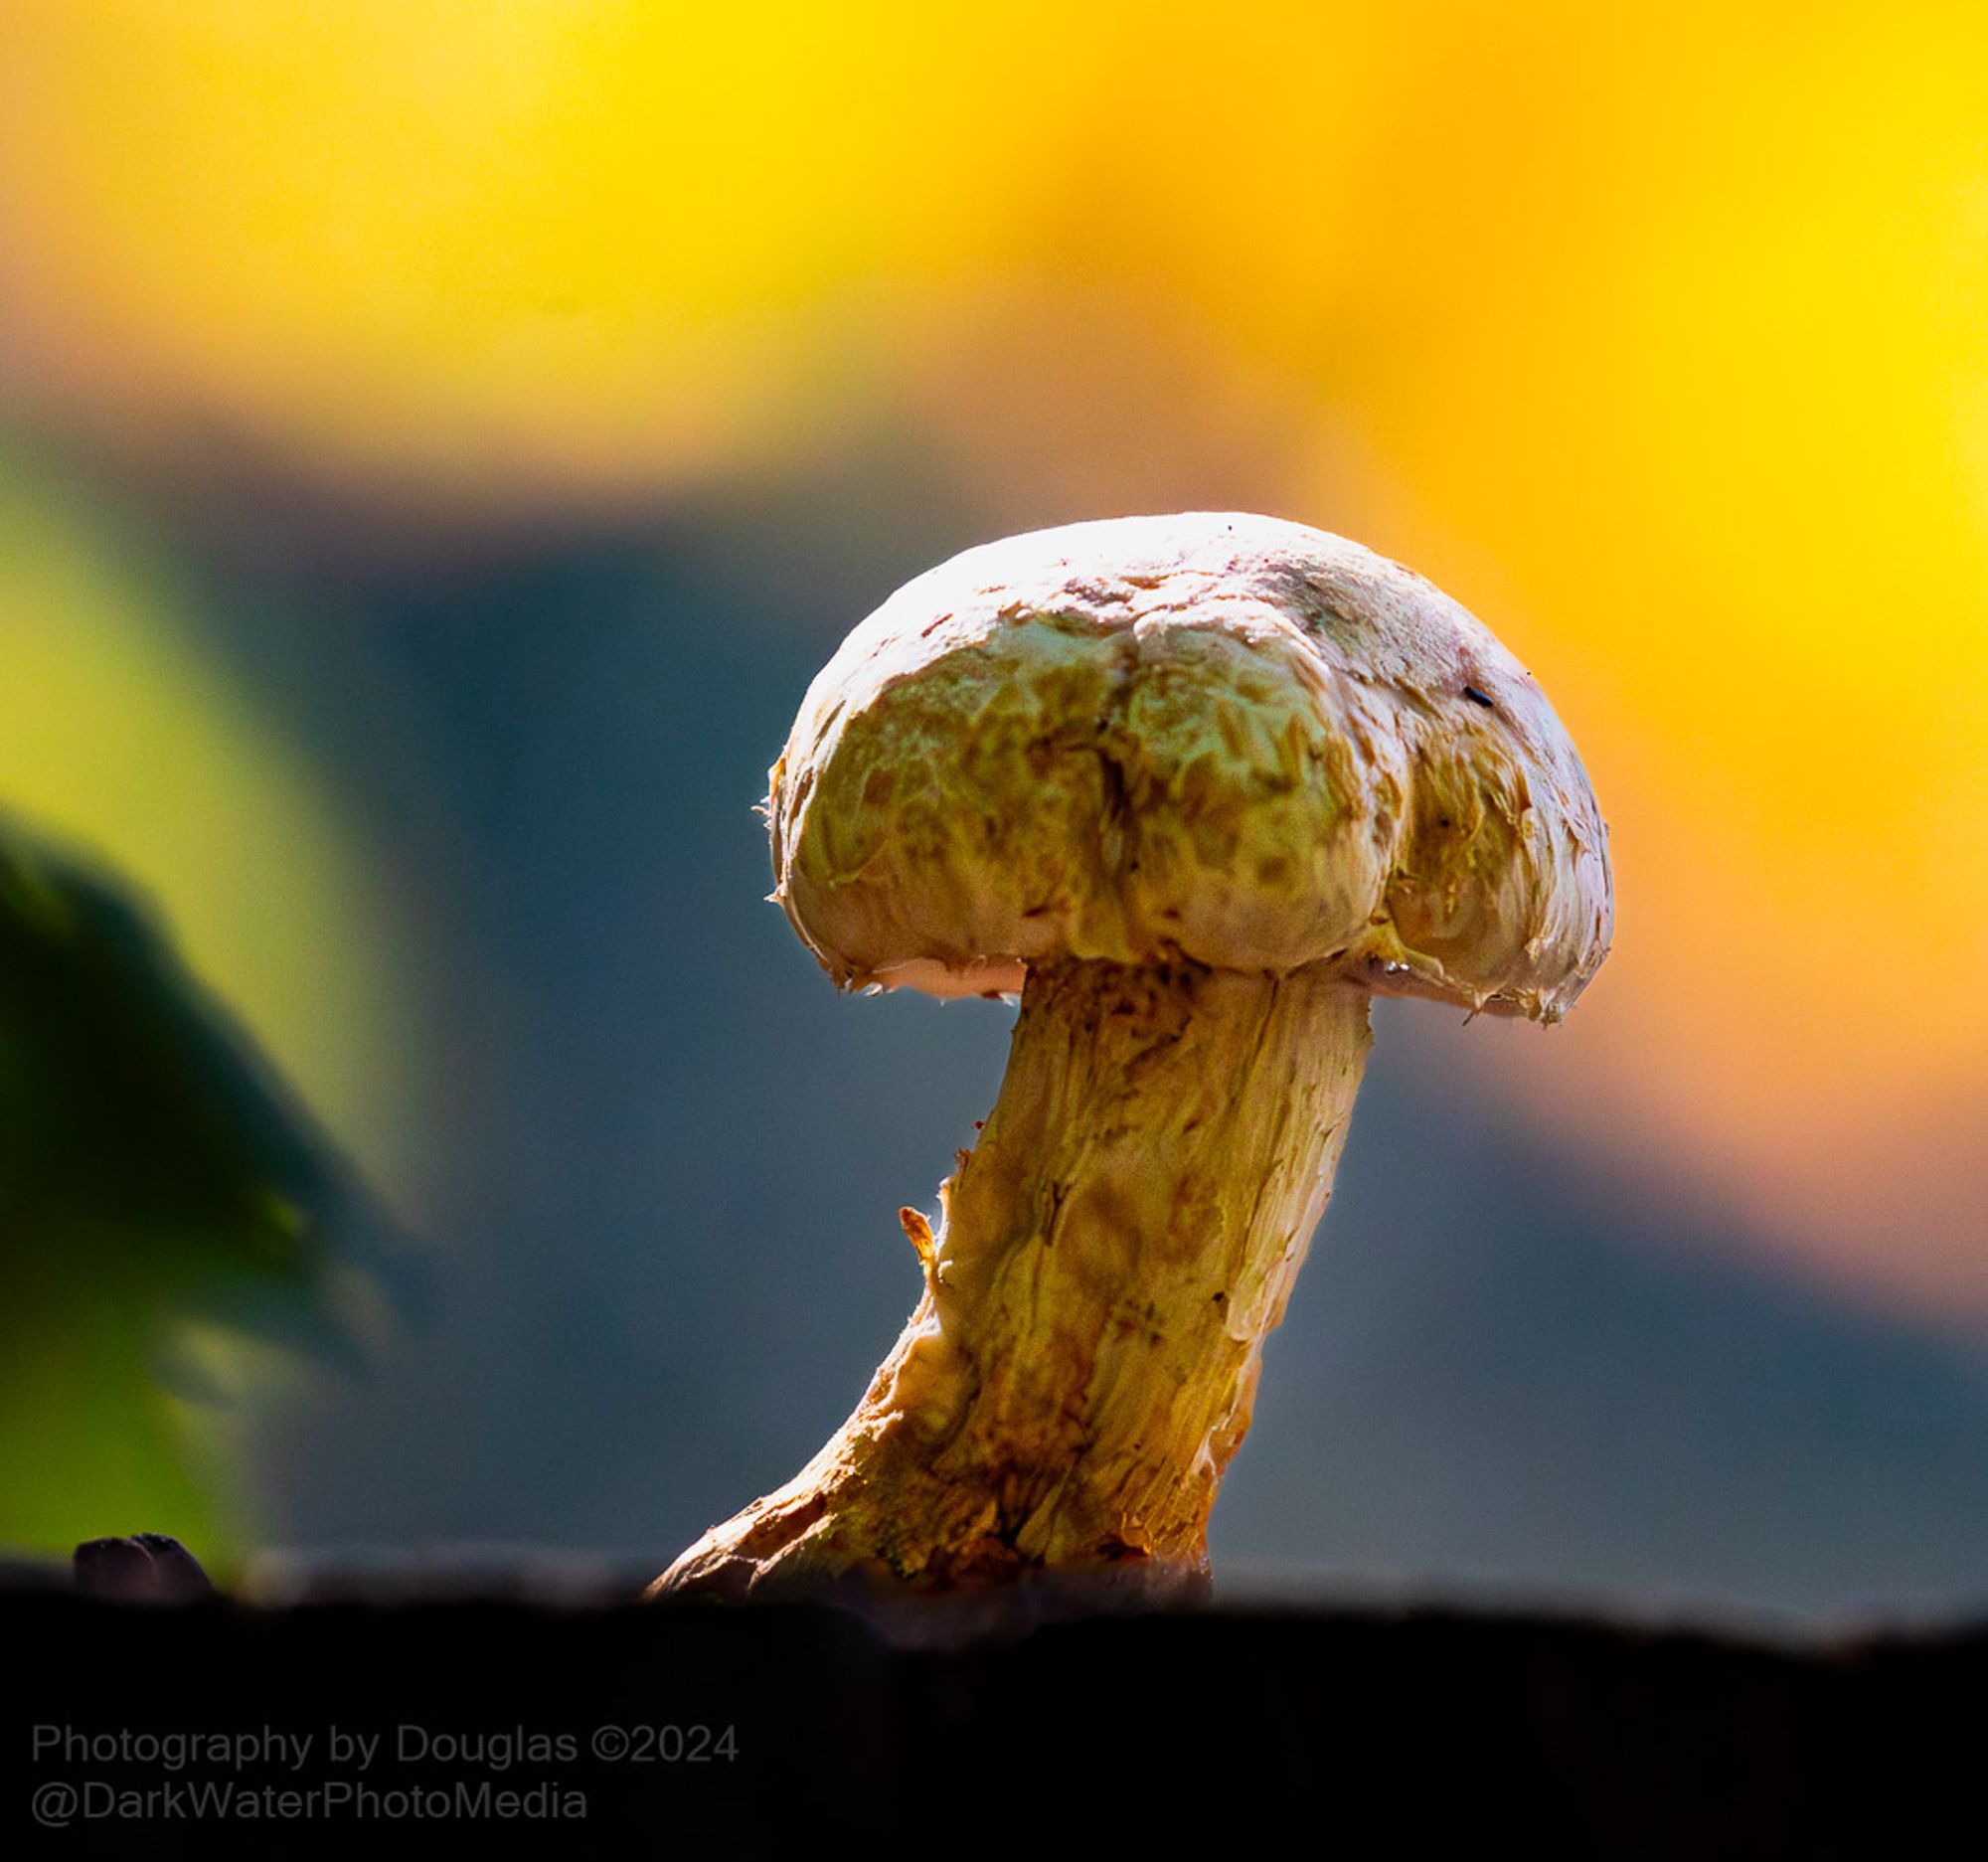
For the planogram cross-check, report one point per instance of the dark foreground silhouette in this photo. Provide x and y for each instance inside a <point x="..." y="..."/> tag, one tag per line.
<point x="709" y="1730"/>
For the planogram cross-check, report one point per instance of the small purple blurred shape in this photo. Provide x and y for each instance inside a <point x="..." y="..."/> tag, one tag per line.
<point x="146" y="1567"/>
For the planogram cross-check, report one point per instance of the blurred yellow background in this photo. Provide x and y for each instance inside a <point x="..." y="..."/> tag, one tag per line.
<point x="1659" y="341"/>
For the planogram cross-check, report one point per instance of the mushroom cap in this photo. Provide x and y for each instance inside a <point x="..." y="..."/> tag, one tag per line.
<point x="1212" y="737"/>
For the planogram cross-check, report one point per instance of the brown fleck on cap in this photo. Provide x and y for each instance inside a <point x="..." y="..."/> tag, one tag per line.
<point x="1213" y="736"/>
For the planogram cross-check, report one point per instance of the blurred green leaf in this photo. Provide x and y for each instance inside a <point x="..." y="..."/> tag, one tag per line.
<point x="153" y="1174"/>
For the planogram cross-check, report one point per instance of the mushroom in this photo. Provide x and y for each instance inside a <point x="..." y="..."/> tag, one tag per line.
<point x="1194" y="788"/>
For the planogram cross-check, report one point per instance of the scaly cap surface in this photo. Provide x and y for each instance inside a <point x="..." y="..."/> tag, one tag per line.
<point x="1217" y="737"/>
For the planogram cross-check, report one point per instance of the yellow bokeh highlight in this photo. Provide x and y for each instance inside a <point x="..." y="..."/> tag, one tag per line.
<point x="551" y="242"/>
<point x="121" y="738"/>
<point x="1709" y="433"/>
<point x="1661" y="339"/>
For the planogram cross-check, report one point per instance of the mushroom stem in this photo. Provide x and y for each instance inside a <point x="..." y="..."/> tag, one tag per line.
<point x="1081" y="1366"/>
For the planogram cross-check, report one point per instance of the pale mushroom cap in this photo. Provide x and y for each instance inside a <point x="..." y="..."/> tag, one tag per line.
<point x="1216" y="737"/>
